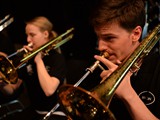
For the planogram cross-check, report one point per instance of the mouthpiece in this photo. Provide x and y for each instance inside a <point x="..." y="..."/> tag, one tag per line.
<point x="30" y="45"/>
<point x="105" y="54"/>
<point x="24" y="49"/>
<point x="97" y="63"/>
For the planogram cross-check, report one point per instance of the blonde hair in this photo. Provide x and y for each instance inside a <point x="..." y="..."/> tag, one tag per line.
<point x="44" y="25"/>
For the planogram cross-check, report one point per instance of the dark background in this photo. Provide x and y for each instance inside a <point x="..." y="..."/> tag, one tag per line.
<point x="64" y="14"/>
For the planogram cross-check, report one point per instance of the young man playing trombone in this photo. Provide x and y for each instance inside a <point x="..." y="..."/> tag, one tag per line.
<point x="130" y="91"/>
<point x="118" y="25"/>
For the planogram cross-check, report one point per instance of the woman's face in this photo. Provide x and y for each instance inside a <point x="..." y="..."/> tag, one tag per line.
<point x="35" y="36"/>
<point x="118" y="42"/>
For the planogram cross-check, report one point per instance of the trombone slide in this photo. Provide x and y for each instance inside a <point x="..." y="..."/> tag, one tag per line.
<point x="10" y="64"/>
<point x="94" y="105"/>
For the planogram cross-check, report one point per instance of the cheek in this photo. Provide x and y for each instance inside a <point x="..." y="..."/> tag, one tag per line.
<point x="124" y="49"/>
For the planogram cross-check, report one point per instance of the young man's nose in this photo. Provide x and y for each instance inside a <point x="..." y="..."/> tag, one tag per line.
<point x="101" y="45"/>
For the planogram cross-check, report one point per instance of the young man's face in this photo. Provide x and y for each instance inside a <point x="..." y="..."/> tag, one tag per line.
<point x="118" y="42"/>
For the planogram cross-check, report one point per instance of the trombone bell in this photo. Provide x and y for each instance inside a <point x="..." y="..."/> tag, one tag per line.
<point x="8" y="72"/>
<point x="85" y="105"/>
<point x="82" y="105"/>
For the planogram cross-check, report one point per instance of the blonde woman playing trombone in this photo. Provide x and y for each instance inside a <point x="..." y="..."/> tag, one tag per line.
<point x="42" y="74"/>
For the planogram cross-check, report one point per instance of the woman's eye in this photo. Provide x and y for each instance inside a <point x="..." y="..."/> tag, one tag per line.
<point x="32" y="35"/>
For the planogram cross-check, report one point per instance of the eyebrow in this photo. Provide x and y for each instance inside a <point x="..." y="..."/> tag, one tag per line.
<point x="108" y="34"/>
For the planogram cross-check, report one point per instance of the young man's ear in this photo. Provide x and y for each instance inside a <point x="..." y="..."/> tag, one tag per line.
<point x="136" y="33"/>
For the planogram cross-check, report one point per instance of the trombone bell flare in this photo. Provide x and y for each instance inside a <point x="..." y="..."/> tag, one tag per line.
<point x="8" y="72"/>
<point x="82" y="105"/>
<point x="85" y="105"/>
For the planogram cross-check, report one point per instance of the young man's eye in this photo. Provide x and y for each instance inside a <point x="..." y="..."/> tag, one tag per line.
<point x="108" y="38"/>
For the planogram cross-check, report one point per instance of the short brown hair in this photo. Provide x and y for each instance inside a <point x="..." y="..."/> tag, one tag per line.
<point x="127" y="13"/>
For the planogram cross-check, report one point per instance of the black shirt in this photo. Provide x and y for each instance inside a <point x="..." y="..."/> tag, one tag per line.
<point x="146" y="84"/>
<point x="55" y="65"/>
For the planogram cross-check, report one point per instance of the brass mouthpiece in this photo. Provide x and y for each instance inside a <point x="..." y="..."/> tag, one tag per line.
<point x="105" y="54"/>
<point x="24" y="49"/>
<point x="97" y="63"/>
<point x="30" y="45"/>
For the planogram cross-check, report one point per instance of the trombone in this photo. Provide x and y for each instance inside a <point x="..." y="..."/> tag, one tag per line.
<point x="80" y="104"/>
<point x="89" y="70"/>
<point x="10" y="64"/>
<point x="7" y="20"/>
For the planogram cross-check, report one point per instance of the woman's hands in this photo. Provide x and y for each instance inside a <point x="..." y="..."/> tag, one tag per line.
<point x="39" y="55"/>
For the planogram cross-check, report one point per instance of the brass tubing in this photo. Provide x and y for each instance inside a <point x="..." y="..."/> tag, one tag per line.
<point x="10" y="64"/>
<point x="89" y="70"/>
<point x="78" y="103"/>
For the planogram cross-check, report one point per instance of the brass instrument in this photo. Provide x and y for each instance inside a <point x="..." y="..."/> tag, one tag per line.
<point x="89" y="70"/>
<point x="80" y="104"/>
<point x="10" y="64"/>
<point x="7" y="20"/>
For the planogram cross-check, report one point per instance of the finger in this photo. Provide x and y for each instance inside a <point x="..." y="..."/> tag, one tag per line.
<point x="105" y="61"/>
<point x="105" y="73"/>
<point x="103" y="79"/>
<point x="118" y="62"/>
<point x="28" y="48"/>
